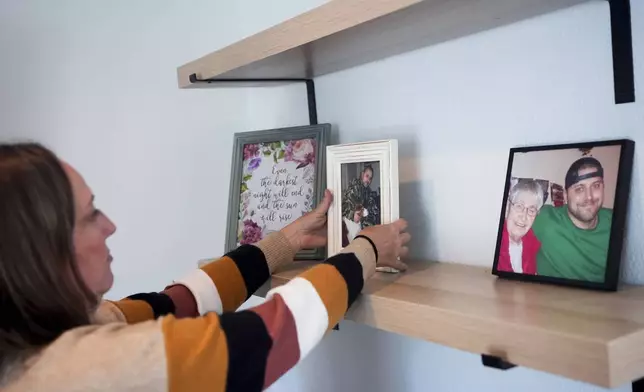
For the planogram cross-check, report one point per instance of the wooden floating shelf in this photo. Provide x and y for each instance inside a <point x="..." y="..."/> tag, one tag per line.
<point x="344" y="33"/>
<point x="595" y="337"/>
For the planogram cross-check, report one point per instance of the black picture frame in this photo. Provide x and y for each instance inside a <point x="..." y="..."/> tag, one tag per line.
<point x="319" y="132"/>
<point x="619" y="214"/>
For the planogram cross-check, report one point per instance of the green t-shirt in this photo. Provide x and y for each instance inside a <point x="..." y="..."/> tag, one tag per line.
<point x="568" y="251"/>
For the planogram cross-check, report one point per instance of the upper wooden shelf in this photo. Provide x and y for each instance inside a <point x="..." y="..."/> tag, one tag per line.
<point x="596" y="337"/>
<point x="344" y="33"/>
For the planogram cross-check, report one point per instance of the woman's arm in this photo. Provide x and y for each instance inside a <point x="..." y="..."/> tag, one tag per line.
<point x="235" y="351"/>
<point x="251" y="349"/>
<point x="224" y="284"/>
<point x="220" y="286"/>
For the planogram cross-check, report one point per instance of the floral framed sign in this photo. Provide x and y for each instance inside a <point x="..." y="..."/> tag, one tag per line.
<point x="277" y="176"/>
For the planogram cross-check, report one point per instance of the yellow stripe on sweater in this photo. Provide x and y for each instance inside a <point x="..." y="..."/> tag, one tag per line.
<point x="197" y="354"/>
<point x="134" y="310"/>
<point x="332" y="289"/>
<point x="229" y="282"/>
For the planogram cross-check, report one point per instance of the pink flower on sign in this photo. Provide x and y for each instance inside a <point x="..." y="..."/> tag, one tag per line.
<point x="250" y="151"/>
<point x="251" y="232"/>
<point x="300" y="151"/>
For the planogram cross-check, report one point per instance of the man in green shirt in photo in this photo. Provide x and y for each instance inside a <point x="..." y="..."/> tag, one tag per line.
<point x="575" y="237"/>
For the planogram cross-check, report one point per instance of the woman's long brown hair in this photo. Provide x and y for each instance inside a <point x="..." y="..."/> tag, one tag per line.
<point x="42" y="294"/>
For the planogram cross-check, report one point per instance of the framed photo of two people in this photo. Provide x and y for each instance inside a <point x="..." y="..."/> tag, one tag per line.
<point x="563" y="214"/>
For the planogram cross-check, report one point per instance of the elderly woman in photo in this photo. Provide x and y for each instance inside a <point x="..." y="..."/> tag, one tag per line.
<point x="519" y="245"/>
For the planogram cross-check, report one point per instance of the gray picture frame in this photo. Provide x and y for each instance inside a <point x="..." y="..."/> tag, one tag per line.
<point x="319" y="132"/>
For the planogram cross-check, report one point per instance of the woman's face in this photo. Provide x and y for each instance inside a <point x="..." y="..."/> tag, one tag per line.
<point x="521" y="214"/>
<point x="91" y="231"/>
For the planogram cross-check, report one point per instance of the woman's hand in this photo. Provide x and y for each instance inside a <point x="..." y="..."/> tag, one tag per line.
<point x="310" y="230"/>
<point x="390" y="241"/>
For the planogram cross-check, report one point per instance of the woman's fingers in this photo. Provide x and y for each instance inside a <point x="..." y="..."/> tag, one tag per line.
<point x="400" y="225"/>
<point x="390" y="241"/>
<point x="404" y="238"/>
<point x="324" y="205"/>
<point x="397" y="264"/>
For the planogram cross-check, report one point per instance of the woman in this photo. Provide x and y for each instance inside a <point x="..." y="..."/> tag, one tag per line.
<point x="57" y="334"/>
<point x="519" y="245"/>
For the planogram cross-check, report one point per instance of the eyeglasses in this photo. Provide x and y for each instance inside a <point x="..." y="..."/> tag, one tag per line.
<point x="520" y="208"/>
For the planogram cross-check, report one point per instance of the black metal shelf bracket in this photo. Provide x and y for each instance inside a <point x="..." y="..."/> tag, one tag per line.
<point x="638" y="385"/>
<point x="622" y="42"/>
<point x="501" y="364"/>
<point x="496" y="362"/>
<point x="310" y="89"/>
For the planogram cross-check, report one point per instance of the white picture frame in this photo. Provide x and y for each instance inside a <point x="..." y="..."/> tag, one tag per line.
<point x="385" y="152"/>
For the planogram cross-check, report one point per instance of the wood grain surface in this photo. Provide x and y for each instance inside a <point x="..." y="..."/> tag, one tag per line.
<point x="341" y="34"/>
<point x="596" y="337"/>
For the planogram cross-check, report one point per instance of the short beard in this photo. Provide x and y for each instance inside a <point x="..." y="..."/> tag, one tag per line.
<point x="583" y="217"/>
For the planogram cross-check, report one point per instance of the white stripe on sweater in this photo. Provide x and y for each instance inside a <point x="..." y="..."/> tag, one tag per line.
<point x="308" y="310"/>
<point x="204" y="291"/>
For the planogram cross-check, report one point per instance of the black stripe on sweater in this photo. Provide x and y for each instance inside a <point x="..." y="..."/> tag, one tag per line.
<point x="351" y="270"/>
<point x="252" y="265"/>
<point x="248" y="347"/>
<point x="160" y="303"/>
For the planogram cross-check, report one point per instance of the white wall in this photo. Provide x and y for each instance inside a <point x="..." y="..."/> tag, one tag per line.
<point x="96" y="81"/>
<point x="456" y="109"/>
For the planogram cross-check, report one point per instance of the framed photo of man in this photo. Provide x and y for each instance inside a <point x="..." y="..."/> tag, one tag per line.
<point x="364" y="180"/>
<point x="563" y="214"/>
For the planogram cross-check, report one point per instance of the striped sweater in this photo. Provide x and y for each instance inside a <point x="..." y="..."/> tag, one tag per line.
<point x="189" y="337"/>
